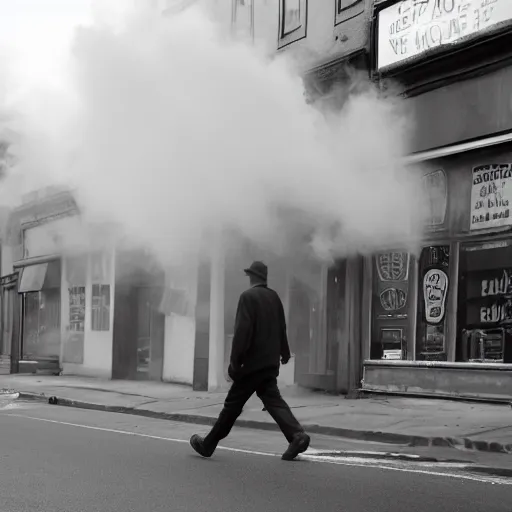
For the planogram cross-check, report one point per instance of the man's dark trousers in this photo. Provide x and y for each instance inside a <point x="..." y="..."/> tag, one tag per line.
<point x="264" y="384"/>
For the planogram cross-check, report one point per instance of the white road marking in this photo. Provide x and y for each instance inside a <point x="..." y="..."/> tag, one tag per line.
<point x="349" y="461"/>
<point x="138" y="434"/>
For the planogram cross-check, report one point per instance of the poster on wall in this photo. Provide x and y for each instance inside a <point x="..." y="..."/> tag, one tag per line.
<point x="74" y="342"/>
<point x="412" y="28"/>
<point x="293" y="19"/>
<point x="491" y="196"/>
<point x="347" y="9"/>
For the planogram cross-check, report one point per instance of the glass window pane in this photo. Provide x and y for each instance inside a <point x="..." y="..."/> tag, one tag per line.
<point x="100" y="314"/>
<point x="485" y="303"/>
<point x="432" y="294"/>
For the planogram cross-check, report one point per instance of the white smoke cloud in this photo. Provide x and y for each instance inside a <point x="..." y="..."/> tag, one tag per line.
<point x="167" y="128"/>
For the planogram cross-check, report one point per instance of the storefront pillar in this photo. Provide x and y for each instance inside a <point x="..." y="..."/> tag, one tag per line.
<point x="216" y="378"/>
<point x="412" y="314"/>
<point x="451" y="320"/>
<point x="366" y="307"/>
<point x="350" y="346"/>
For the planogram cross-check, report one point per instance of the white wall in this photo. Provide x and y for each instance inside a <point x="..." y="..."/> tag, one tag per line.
<point x="97" y="360"/>
<point x="64" y="234"/>
<point x="180" y="330"/>
<point x="327" y="38"/>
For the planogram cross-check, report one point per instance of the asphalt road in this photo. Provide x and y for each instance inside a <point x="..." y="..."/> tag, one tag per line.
<point x="61" y="459"/>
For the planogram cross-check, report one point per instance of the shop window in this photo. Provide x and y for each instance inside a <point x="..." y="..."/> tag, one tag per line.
<point x="243" y="18"/>
<point x="432" y="294"/>
<point x="100" y="314"/>
<point x="292" y="21"/>
<point x="76" y="273"/>
<point x="77" y="308"/>
<point x="485" y="303"/>
<point x="390" y="305"/>
<point x="40" y="285"/>
<point x="347" y="9"/>
<point x="100" y="277"/>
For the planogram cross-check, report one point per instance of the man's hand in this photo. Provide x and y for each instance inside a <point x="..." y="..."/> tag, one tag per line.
<point x="285" y="359"/>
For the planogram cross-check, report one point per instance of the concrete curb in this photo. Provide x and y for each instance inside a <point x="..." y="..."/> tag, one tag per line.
<point x="362" y="435"/>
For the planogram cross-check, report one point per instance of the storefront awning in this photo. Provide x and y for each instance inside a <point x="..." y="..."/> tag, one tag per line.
<point x="455" y="149"/>
<point x="32" y="278"/>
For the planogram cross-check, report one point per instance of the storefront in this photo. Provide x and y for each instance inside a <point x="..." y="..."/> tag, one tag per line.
<point x="9" y="344"/>
<point x="441" y="319"/>
<point x="39" y="288"/>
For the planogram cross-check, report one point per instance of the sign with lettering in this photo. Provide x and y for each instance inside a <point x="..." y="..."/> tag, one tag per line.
<point x="435" y="288"/>
<point x="490" y="283"/>
<point x="497" y="311"/>
<point x="412" y="28"/>
<point x="491" y="196"/>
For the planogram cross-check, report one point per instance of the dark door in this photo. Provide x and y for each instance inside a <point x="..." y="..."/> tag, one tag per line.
<point x="143" y="332"/>
<point x="138" y="345"/>
<point x="9" y="296"/>
<point x="124" y="346"/>
<point x="157" y="334"/>
<point x="150" y="334"/>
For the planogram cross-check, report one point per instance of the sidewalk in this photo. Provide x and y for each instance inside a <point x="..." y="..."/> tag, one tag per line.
<point x="411" y="421"/>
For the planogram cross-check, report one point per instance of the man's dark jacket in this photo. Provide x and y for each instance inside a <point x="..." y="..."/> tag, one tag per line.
<point x="260" y="338"/>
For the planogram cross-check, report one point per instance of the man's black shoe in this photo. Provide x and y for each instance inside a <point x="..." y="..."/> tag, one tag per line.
<point x="197" y="442"/>
<point x="299" y="444"/>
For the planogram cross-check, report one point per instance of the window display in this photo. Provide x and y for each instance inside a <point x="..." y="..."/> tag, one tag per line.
<point x="390" y="305"/>
<point x="76" y="272"/>
<point x="100" y="313"/>
<point x="485" y="302"/>
<point x="432" y="295"/>
<point x="100" y="297"/>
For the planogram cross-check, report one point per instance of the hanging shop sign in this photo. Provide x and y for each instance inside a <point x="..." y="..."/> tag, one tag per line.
<point x="491" y="196"/>
<point x="410" y="29"/>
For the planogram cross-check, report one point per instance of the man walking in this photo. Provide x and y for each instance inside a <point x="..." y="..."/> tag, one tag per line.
<point x="260" y="342"/>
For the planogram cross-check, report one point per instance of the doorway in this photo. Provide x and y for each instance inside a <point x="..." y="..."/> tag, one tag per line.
<point x="9" y="346"/>
<point x="138" y="345"/>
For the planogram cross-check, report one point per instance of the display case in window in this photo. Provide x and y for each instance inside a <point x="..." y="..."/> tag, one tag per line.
<point x="485" y="302"/>
<point x="394" y="344"/>
<point x="484" y="345"/>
